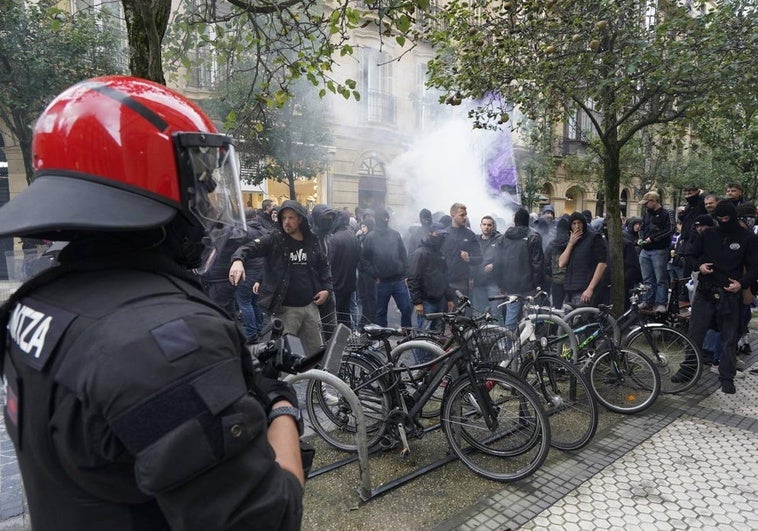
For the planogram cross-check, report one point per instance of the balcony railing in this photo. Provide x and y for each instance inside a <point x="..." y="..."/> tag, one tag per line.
<point x="381" y="107"/>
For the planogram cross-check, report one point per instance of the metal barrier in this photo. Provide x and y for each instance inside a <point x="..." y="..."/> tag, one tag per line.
<point x="365" y="490"/>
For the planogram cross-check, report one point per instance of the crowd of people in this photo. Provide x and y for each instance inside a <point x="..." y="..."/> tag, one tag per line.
<point x="358" y="261"/>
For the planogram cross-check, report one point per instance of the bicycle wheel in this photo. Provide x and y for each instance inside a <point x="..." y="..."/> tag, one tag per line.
<point x="624" y="380"/>
<point x="675" y="355"/>
<point x="567" y="399"/>
<point x="519" y="442"/>
<point x="332" y="417"/>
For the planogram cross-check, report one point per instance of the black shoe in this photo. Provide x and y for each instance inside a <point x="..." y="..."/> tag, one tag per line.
<point x="728" y="388"/>
<point x="707" y="357"/>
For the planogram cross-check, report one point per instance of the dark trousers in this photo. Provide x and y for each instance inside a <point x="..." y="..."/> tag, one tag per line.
<point x="367" y="296"/>
<point x="328" y="314"/>
<point x="342" y="300"/>
<point x="725" y="311"/>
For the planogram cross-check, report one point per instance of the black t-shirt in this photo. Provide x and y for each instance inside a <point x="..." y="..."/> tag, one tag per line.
<point x="301" y="289"/>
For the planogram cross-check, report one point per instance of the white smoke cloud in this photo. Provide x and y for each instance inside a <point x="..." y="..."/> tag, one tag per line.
<point x="447" y="165"/>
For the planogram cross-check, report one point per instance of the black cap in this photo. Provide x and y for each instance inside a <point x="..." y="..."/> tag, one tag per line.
<point x="704" y="220"/>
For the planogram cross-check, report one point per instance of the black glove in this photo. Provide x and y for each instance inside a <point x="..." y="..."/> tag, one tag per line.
<point x="270" y="391"/>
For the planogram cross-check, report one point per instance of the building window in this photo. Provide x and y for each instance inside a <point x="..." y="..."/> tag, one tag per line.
<point x="377" y="84"/>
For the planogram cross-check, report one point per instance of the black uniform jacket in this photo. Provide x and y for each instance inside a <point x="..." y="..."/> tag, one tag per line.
<point x="129" y="405"/>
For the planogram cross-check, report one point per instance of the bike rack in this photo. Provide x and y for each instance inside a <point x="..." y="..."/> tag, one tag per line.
<point x="364" y="491"/>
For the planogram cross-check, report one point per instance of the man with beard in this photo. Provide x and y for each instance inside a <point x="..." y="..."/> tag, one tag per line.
<point x="655" y="242"/>
<point x="296" y="275"/>
<point x="727" y="258"/>
<point x="519" y="264"/>
<point x="385" y="257"/>
<point x="461" y="249"/>
<point x="485" y="285"/>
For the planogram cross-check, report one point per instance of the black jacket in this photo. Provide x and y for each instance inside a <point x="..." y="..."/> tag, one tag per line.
<point x="489" y="251"/>
<point x="520" y="262"/>
<point x="384" y="255"/>
<point x="273" y="247"/>
<point x="122" y="404"/>
<point x="658" y="226"/>
<point x="427" y="275"/>
<point x="344" y="252"/>
<point x="733" y="254"/>
<point x="461" y="239"/>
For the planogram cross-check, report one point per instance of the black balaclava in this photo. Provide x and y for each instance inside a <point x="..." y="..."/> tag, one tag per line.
<point x="425" y="217"/>
<point x="382" y="219"/>
<point x="521" y="218"/>
<point x="726" y="208"/>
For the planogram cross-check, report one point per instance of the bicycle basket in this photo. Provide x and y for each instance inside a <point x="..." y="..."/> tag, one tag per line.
<point x="358" y="342"/>
<point x="493" y="343"/>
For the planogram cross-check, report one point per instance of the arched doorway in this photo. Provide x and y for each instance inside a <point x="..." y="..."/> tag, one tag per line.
<point x="372" y="186"/>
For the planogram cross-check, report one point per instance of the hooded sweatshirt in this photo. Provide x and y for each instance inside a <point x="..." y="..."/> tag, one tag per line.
<point x="520" y="262"/>
<point x="589" y="251"/>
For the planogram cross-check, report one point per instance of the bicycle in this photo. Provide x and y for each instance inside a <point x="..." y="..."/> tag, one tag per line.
<point x="492" y="421"/>
<point x="676" y="357"/>
<point x="566" y="395"/>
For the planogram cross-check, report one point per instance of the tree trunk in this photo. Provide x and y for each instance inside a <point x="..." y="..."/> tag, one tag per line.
<point x="23" y="134"/>
<point x="611" y="179"/>
<point x="146" y="23"/>
<point x="291" y="184"/>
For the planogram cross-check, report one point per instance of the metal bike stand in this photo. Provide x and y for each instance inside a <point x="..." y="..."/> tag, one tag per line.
<point x="364" y="491"/>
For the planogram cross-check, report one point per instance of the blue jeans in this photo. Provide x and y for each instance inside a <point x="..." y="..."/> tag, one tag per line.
<point x="479" y="296"/>
<point x="512" y="314"/>
<point x="655" y="274"/>
<point x="252" y="320"/>
<point x="712" y="342"/>
<point x="399" y="292"/>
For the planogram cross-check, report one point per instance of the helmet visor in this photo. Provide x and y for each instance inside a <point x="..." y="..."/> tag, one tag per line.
<point x="210" y="170"/>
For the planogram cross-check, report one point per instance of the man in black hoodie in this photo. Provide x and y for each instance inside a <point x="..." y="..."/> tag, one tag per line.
<point x="386" y="259"/>
<point x="585" y="259"/>
<point x="343" y="251"/>
<point x="727" y="259"/>
<point x="416" y="234"/>
<point x="519" y="264"/>
<point x="296" y="277"/>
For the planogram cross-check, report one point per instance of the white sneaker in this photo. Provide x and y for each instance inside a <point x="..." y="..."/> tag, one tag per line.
<point x="740" y="365"/>
<point x="715" y="369"/>
<point x="330" y="399"/>
<point x="660" y="308"/>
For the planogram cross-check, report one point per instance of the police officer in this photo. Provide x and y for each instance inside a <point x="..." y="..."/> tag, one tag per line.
<point x="129" y="401"/>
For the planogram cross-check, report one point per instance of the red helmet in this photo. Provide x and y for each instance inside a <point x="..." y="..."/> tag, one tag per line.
<point x="123" y="154"/>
